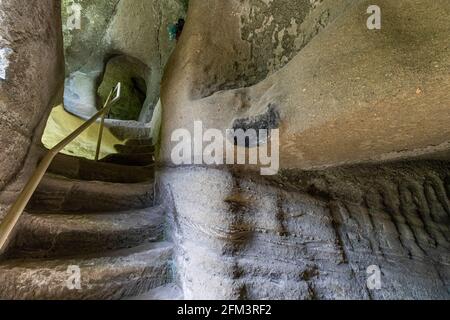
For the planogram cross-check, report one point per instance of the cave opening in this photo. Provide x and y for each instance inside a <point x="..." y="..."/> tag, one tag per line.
<point x="105" y="43"/>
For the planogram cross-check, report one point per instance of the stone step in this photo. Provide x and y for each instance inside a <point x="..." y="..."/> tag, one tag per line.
<point x="60" y="194"/>
<point x="136" y="159"/>
<point x="167" y="292"/>
<point x="117" y="275"/>
<point x="59" y="235"/>
<point x="84" y="169"/>
<point x="132" y="149"/>
<point x="139" y="142"/>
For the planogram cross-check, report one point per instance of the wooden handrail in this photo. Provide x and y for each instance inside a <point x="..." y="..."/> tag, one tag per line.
<point x="10" y="220"/>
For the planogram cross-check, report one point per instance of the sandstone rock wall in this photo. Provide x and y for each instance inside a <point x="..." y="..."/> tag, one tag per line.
<point x="32" y="84"/>
<point x="277" y="30"/>
<point x="81" y="44"/>
<point x="349" y="96"/>
<point x="135" y="28"/>
<point x="250" y="40"/>
<point x="312" y="235"/>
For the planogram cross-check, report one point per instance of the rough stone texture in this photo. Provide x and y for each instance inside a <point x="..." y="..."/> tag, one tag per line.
<point x="246" y="43"/>
<point x="91" y="170"/>
<point x="32" y="82"/>
<point x="50" y="235"/>
<point x="136" y="28"/>
<point x="122" y="274"/>
<point x="57" y="193"/>
<point x="311" y="235"/>
<point x="277" y="30"/>
<point x="131" y="74"/>
<point x="110" y="231"/>
<point x="370" y="96"/>
<point x="350" y="96"/>
<point x="81" y="44"/>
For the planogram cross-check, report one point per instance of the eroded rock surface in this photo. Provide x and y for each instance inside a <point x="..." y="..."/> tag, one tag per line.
<point x="135" y="28"/>
<point x="131" y="74"/>
<point x="312" y="235"/>
<point x="351" y="95"/>
<point x="85" y="239"/>
<point x="32" y="81"/>
<point x="346" y="95"/>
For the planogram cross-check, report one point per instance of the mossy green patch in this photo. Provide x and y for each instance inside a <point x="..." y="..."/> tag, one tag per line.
<point x="131" y="73"/>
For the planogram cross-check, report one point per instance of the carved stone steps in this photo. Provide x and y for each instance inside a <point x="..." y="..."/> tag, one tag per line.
<point x="60" y="235"/>
<point x="89" y="170"/>
<point x="113" y="275"/>
<point x="96" y="218"/>
<point x="135" y="159"/>
<point x="59" y="194"/>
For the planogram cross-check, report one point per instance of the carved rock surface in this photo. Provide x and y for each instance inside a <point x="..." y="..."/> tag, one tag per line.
<point x="135" y="28"/>
<point x="130" y="272"/>
<point x="312" y="235"/>
<point x="32" y="76"/>
<point x="87" y="239"/>
<point x="351" y="95"/>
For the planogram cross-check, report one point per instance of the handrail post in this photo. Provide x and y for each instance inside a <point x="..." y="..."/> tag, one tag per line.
<point x="100" y="130"/>
<point x="107" y="106"/>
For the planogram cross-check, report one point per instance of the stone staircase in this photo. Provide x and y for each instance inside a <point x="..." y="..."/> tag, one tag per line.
<point x="96" y="216"/>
